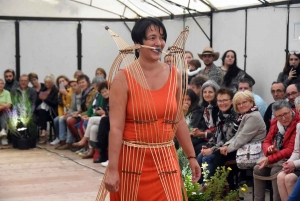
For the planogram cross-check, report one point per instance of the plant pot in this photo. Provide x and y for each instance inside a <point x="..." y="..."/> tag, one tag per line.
<point x="24" y="144"/>
<point x="14" y="142"/>
<point x="32" y="142"/>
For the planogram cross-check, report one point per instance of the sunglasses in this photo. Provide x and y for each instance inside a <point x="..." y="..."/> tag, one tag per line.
<point x="294" y="52"/>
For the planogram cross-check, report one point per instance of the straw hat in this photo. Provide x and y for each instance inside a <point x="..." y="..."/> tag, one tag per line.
<point x="209" y="50"/>
<point x="73" y="80"/>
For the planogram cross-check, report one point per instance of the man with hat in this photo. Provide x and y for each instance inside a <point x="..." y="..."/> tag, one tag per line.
<point x="208" y="56"/>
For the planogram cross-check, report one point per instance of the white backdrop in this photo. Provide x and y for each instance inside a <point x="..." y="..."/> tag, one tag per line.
<point x="48" y="47"/>
<point x="7" y="46"/>
<point x="51" y="47"/>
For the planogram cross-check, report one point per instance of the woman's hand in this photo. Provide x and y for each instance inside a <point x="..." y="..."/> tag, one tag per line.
<point x="224" y="150"/>
<point x="43" y="95"/>
<point x="272" y="149"/>
<point x="292" y="74"/>
<point x="112" y="181"/>
<point x="197" y="133"/>
<point x="100" y="112"/>
<point x="196" y="170"/>
<point x="85" y="118"/>
<point x="288" y="167"/>
<point x="264" y="162"/>
<point x="206" y="152"/>
<point x="63" y="91"/>
<point x="185" y="108"/>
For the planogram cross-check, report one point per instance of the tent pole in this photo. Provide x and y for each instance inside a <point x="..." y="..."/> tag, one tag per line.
<point x="245" y="51"/>
<point x="287" y="32"/>
<point x="211" y="29"/>
<point x="79" y="47"/>
<point x="199" y="25"/>
<point x="17" y="34"/>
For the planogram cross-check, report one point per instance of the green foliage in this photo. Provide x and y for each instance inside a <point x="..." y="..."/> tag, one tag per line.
<point x="21" y="114"/>
<point x="216" y="186"/>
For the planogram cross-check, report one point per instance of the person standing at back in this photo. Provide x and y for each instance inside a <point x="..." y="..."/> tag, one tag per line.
<point x="210" y="70"/>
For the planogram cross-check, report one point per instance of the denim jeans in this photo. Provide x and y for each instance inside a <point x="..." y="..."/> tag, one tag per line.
<point x="295" y="196"/>
<point x="60" y="125"/>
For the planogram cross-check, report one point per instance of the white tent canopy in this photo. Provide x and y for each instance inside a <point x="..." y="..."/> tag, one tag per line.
<point x="121" y="9"/>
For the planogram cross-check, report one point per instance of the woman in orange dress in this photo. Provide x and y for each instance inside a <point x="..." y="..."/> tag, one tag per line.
<point x="145" y="113"/>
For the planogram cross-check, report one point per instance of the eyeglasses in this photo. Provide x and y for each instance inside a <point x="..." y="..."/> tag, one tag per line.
<point x="223" y="101"/>
<point x="277" y="91"/>
<point x="285" y="115"/>
<point x="294" y="52"/>
<point x="242" y="103"/>
<point x="291" y="94"/>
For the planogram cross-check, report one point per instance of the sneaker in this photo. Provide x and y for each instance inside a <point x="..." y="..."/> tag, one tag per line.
<point x="55" y="142"/>
<point x="3" y="134"/>
<point x="80" y="150"/>
<point x="104" y="164"/>
<point x="4" y="141"/>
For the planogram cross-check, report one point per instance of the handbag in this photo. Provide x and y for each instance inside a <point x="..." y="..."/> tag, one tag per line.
<point x="248" y="155"/>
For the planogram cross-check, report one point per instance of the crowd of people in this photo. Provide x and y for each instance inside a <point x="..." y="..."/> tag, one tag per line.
<point x="75" y="107"/>
<point x="224" y="114"/>
<point x="221" y="115"/>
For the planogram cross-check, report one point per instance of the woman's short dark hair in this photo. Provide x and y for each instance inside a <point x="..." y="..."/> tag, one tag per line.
<point x="102" y="85"/>
<point x="84" y="77"/>
<point x="223" y="91"/>
<point x="138" y="33"/>
<point x="193" y="97"/>
<point x="59" y="77"/>
<point x="32" y="75"/>
<point x="195" y="62"/>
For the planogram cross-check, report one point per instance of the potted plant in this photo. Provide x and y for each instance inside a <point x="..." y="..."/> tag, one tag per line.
<point x="20" y="123"/>
<point x="216" y="186"/>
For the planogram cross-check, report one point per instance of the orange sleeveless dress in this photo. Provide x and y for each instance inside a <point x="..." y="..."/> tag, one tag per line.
<point x="148" y="165"/>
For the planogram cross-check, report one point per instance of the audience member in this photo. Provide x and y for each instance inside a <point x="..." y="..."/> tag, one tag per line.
<point x="64" y="103"/>
<point x="24" y="88"/>
<point x="168" y="59"/>
<point x="292" y="92"/>
<point x="278" y="93"/>
<point x="34" y="80"/>
<point x="231" y="73"/>
<point x="291" y="70"/>
<point x="5" y="105"/>
<point x="10" y="80"/>
<point x="77" y="74"/>
<point x="278" y="147"/>
<point x="246" y="84"/>
<point x="251" y="128"/>
<point x="65" y="142"/>
<point x="46" y="106"/>
<point x="226" y="128"/>
<point x="87" y="97"/>
<point x="209" y="114"/>
<point x="188" y="56"/>
<point x="194" y="69"/>
<point x="100" y="72"/>
<point x="290" y="170"/>
<point x="196" y="84"/>
<point x="193" y="115"/>
<point x="211" y="71"/>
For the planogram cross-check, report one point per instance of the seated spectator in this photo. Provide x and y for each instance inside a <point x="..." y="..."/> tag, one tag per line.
<point x="95" y="112"/>
<point x="46" y="106"/>
<point x="5" y="105"/>
<point x="209" y="109"/>
<point x="87" y="98"/>
<point x="291" y="71"/>
<point x="64" y="103"/>
<point x="211" y="71"/>
<point x="251" y="128"/>
<point x="34" y="80"/>
<point x="278" y="93"/>
<point x="168" y="59"/>
<point x="100" y="72"/>
<point x="194" y="69"/>
<point x="246" y="84"/>
<point x="278" y="147"/>
<point x="188" y="56"/>
<point x="291" y="169"/>
<point x="231" y="73"/>
<point x="193" y="115"/>
<point x="24" y="88"/>
<point x="292" y="92"/>
<point x="10" y="80"/>
<point x="225" y="127"/>
<point x="65" y="142"/>
<point x="196" y="84"/>
<point x="77" y="74"/>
